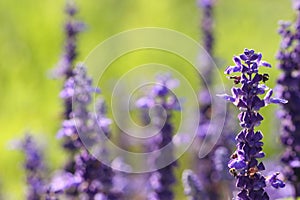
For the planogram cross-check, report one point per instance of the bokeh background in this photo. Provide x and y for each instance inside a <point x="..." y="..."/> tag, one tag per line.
<point x="31" y="41"/>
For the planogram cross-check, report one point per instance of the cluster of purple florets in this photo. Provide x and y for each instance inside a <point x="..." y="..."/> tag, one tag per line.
<point x="244" y="163"/>
<point x="162" y="180"/>
<point x="85" y="177"/>
<point x="212" y="168"/>
<point x="289" y="88"/>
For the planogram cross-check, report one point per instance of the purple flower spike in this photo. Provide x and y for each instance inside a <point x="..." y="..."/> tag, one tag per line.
<point x="192" y="186"/>
<point x="207" y="24"/>
<point x="163" y="179"/>
<point x="80" y="97"/>
<point x="34" y="167"/>
<point x="244" y="164"/>
<point x="209" y="169"/>
<point x="72" y="29"/>
<point x="289" y="89"/>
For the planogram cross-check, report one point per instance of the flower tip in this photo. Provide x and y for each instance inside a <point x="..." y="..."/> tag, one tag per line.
<point x="226" y="97"/>
<point x="278" y="101"/>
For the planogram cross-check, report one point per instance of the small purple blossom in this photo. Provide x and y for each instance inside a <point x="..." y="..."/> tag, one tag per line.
<point x="275" y="182"/>
<point x="244" y="163"/>
<point x="63" y="181"/>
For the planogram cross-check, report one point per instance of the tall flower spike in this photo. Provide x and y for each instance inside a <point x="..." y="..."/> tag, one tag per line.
<point x="207" y="30"/>
<point x="78" y="89"/>
<point x="34" y="168"/>
<point x="163" y="179"/>
<point x="65" y="66"/>
<point x="206" y="168"/>
<point x="207" y="24"/>
<point x="244" y="163"/>
<point x="97" y="177"/>
<point x="192" y="186"/>
<point x="72" y="28"/>
<point x="65" y="70"/>
<point x="289" y="88"/>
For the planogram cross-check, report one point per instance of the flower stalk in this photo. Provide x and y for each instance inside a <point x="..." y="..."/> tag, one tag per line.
<point x="244" y="164"/>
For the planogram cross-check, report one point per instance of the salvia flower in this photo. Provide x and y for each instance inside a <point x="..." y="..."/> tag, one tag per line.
<point x="210" y="175"/>
<point x="244" y="164"/>
<point x="165" y="101"/>
<point x="34" y="167"/>
<point x="72" y="28"/>
<point x="289" y="88"/>
<point x="207" y="24"/>
<point x="78" y="89"/>
<point x="193" y="189"/>
<point x="207" y="30"/>
<point x="66" y="63"/>
<point x="97" y="178"/>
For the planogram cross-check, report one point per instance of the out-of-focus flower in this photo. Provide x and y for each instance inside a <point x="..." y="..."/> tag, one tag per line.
<point x="35" y="169"/>
<point x="192" y="186"/>
<point x="72" y="28"/>
<point x="163" y="179"/>
<point x="289" y="88"/>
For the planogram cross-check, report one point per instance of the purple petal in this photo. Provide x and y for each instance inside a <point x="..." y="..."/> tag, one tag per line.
<point x="278" y="100"/>
<point x="259" y="57"/>
<point x="260" y="155"/>
<point x="144" y="102"/>
<point x="232" y="69"/>
<point x="227" y="97"/>
<point x="237" y="61"/>
<point x="258" y="136"/>
<point x="237" y="164"/>
<point x="265" y="64"/>
<point x="254" y="57"/>
<point x="268" y="95"/>
<point x="261" y="166"/>
<point x="243" y="57"/>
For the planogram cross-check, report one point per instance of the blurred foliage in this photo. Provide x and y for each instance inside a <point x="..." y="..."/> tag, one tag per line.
<point x="31" y="40"/>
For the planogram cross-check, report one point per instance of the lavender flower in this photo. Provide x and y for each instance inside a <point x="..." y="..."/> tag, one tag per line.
<point x="210" y="174"/>
<point x="66" y="63"/>
<point x="90" y="178"/>
<point x="78" y="89"/>
<point x="97" y="178"/>
<point x="61" y="182"/>
<point x="244" y="163"/>
<point x="289" y="88"/>
<point x="192" y="186"/>
<point x="207" y="24"/>
<point x="72" y="28"/>
<point x="34" y="167"/>
<point x="162" y="180"/>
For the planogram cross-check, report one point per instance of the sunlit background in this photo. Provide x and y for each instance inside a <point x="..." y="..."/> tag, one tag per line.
<point x="31" y="41"/>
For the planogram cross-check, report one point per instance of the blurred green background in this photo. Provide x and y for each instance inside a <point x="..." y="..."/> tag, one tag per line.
<point x="31" y="41"/>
